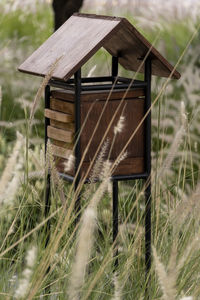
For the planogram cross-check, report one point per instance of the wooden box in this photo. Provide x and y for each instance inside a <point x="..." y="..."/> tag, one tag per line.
<point x="62" y="127"/>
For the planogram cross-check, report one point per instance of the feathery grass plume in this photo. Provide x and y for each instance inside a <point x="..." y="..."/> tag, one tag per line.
<point x="172" y="152"/>
<point x="117" y="288"/>
<point x="42" y="87"/>
<point x="191" y="248"/>
<point x="84" y="248"/>
<point x="120" y="125"/>
<point x="86" y="237"/>
<point x="167" y="285"/>
<point x="117" y="129"/>
<point x="69" y="164"/>
<point x="96" y="170"/>
<point x="25" y="281"/>
<point x="9" y="195"/>
<point x="10" y="166"/>
<point x="187" y="298"/>
<point x="188" y="207"/>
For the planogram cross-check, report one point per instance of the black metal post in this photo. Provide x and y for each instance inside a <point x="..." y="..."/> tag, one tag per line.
<point x="115" y="221"/>
<point x="114" y="67"/>
<point x="148" y="67"/>
<point x="77" y="81"/>
<point x="48" y="183"/>
<point x="48" y="176"/>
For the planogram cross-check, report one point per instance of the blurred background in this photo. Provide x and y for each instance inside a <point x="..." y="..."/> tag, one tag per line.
<point x="24" y="26"/>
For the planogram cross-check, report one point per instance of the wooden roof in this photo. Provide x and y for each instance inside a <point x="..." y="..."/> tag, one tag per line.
<point x="82" y="35"/>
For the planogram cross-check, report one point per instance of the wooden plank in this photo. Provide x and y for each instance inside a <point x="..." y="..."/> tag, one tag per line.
<point x="59" y="134"/>
<point x="133" y="111"/>
<point x="61" y="152"/>
<point x="58" y="116"/>
<point x="63" y="144"/>
<point x="73" y="44"/>
<point x="62" y="106"/>
<point x="60" y="125"/>
<point x="128" y="38"/>
<point x="129" y="166"/>
<point x="98" y="95"/>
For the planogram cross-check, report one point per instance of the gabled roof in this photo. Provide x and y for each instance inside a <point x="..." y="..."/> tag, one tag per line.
<point x="82" y="35"/>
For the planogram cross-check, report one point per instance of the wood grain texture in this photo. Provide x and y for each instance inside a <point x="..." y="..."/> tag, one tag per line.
<point x="61" y="152"/>
<point x="73" y="44"/>
<point x="68" y="95"/>
<point x="82" y="35"/>
<point x="62" y="106"/>
<point x="58" y="116"/>
<point x="128" y="166"/>
<point x="60" y="125"/>
<point x="133" y="111"/>
<point x="62" y="144"/>
<point x="59" y="134"/>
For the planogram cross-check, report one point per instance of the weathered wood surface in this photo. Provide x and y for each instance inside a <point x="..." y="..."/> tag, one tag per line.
<point x="61" y="152"/>
<point x="62" y="106"/>
<point x="129" y="166"/>
<point x="132" y="110"/>
<point x="59" y="134"/>
<point x="58" y="116"/>
<point x="98" y="95"/>
<point x="63" y="144"/>
<point x="60" y="125"/>
<point x="82" y="35"/>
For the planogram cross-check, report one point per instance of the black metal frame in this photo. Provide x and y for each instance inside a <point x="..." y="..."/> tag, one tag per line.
<point x="79" y="85"/>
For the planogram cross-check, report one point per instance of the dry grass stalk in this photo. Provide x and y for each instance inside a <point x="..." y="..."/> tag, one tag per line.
<point x="42" y="87"/>
<point x="86" y="237"/>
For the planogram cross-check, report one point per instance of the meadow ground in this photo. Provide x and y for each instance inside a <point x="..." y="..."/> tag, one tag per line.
<point x="81" y="270"/>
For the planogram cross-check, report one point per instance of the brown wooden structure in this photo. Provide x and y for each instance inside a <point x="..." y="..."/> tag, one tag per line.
<point x="73" y="104"/>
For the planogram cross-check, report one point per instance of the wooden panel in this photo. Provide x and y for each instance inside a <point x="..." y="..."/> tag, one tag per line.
<point x="73" y="43"/>
<point x="98" y="95"/>
<point x="130" y="166"/>
<point x="82" y="35"/>
<point x="58" y="116"/>
<point x="132" y="46"/>
<point x="133" y="111"/>
<point x="59" y="134"/>
<point x="62" y="106"/>
<point x="63" y="144"/>
<point x="61" y="152"/>
<point x="60" y="125"/>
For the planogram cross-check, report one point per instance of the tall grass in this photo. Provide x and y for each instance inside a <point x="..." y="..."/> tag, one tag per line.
<point x="80" y="256"/>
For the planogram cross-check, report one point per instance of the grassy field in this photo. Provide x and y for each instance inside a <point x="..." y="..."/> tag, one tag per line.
<point x="81" y="257"/>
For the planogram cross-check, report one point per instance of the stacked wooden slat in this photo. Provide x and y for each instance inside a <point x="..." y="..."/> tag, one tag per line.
<point x="61" y="128"/>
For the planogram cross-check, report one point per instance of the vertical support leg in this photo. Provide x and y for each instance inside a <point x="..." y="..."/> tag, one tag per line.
<point x="148" y="69"/>
<point x="77" y="80"/>
<point x="148" y="231"/>
<point x="48" y="183"/>
<point x="48" y="176"/>
<point x="114" y="67"/>
<point x="115" y="221"/>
